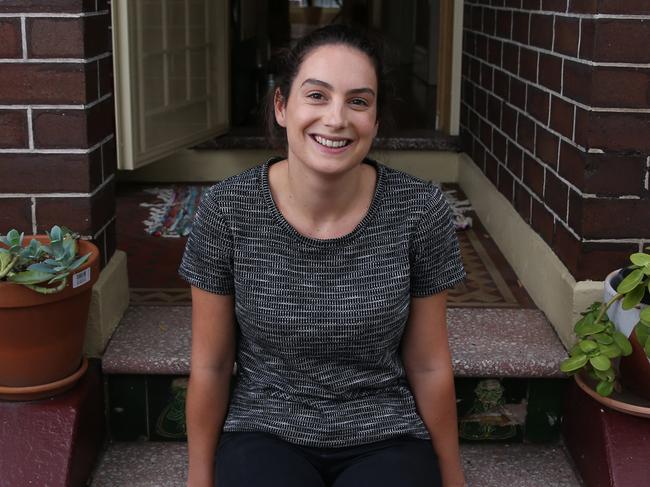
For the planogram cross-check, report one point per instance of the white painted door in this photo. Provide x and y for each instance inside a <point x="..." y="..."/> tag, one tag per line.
<point x="171" y="64"/>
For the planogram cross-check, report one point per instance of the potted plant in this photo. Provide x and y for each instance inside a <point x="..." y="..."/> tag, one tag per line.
<point x="618" y="326"/>
<point x="45" y="291"/>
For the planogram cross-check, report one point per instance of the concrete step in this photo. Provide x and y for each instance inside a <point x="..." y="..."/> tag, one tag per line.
<point x="485" y="342"/>
<point x="164" y="464"/>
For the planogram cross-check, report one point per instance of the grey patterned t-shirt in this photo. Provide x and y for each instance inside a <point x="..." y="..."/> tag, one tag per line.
<point x="320" y="321"/>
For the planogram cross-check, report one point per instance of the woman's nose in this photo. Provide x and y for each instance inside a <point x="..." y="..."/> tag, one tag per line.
<point x="335" y="116"/>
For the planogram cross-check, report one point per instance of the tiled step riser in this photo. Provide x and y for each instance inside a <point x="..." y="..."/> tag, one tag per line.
<point x="151" y="407"/>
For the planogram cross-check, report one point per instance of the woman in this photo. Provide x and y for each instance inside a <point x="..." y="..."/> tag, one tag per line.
<point x="324" y="274"/>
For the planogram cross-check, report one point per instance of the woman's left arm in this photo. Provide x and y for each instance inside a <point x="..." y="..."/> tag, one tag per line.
<point x="427" y="360"/>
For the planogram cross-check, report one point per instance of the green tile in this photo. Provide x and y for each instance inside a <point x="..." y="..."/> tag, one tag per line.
<point x="545" y="404"/>
<point x="491" y="410"/>
<point x="167" y="408"/>
<point x="127" y="407"/>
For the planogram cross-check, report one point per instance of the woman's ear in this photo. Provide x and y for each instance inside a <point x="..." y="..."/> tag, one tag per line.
<point x="280" y="108"/>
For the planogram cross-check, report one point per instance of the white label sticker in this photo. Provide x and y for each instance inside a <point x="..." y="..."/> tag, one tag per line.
<point x="81" y="278"/>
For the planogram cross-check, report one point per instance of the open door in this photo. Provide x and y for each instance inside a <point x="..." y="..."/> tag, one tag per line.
<point x="171" y="64"/>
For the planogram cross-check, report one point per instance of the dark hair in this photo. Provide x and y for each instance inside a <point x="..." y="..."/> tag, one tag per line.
<point x="289" y="61"/>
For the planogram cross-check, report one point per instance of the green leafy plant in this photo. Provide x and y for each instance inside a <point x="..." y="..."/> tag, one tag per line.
<point x="599" y="343"/>
<point x="42" y="267"/>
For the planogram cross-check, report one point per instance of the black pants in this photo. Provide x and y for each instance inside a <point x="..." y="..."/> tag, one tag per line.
<point x="260" y="459"/>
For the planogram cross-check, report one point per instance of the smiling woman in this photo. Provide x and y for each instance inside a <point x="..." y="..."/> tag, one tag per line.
<point x="323" y="274"/>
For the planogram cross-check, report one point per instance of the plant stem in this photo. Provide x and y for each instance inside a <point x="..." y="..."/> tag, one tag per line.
<point x="9" y="267"/>
<point x="604" y="307"/>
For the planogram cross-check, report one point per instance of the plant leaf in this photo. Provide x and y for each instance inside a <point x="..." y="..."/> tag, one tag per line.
<point x="600" y="362"/>
<point x="30" y="277"/>
<point x="604" y="388"/>
<point x="645" y="315"/>
<point x="647" y="348"/>
<point x="79" y="262"/>
<point x="640" y="258"/>
<point x="610" y="351"/>
<point x="587" y="346"/>
<point x="573" y="363"/>
<point x="587" y="327"/>
<point x="634" y="297"/>
<point x="630" y="281"/>
<point x="603" y="338"/>
<point x="623" y="343"/>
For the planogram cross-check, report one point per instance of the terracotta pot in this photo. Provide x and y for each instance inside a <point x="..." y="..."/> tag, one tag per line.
<point x="42" y="335"/>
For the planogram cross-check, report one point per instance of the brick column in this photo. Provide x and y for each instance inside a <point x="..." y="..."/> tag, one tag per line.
<point x="556" y="112"/>
<point x="57" y="143"/>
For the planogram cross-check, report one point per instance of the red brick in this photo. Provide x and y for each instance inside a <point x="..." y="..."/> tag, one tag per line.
<point x="537" y="104"/>
<point x="515" y="159"/>
<point x="567" y="248"/>
<point x="509" y="120"/>
<point x="613" y="131"/>
<point x="467" y="16"/>
<point x="582" y="120"/>
<point x="513" y="3"/>
<point x="511" y="57"/>
<point x="622" y="41"/>
<point x="73" y="128"/>
<point x="629" y="7"/>
<point x="478" y="154"/>
<point x="597" y="259"/>
<point x="501" y="84"/>
<point x="477" y="18"/>
<point x="522" y="202"/>
<point x="499" y="146"/>
<point x="110" y="234"/>
<point x="531" y="4"/>
<point x="469" y="42"/>
<point x="577" y="81"/>
<point x="587" y="38"/>
<point x="486" y="135"/>
<point x="541" y="31"/>
<point x="16" y="213"/>
<point x="533" y="175"/>
<point x="550" y="72"/>
<point x="489" y="21"/>
<point x="528" y="65"/>
<point x="47" y="83"/>
<point x="518" y="93"/>
<point x="481" y="46"/>
<point x="46" y="6"/>
<point x="55" y="37"/>
<point x="486" y="77"/>
<point x="13" y="130"/>
<point x="542" y="221"/>
<point x="480" y="102"/>
<point x="526" y="132"/>
<point x="554" y="5"/>
<point x="504" y="24"/>
<point x="494" y="110"/>
<point x="84" y="215"/>
<point x="615" y="175"/>
<point x="494" y="52"/>
<point x="556" y="195"/>
<point x="575" y="211"/>
<point x="616" y="218"/>
<point x="520" y="26"/>
<point x="506" y="183"/>
<point x="491" y="168"/>
<point x="567" y="33"/>
<point x="10" y="38"/>
<point x="109" y="158"/>
<point x="561" y="116"/>
<point x="50" y="173"/>
<point x="546" y="146"/>
<point x="475" y="71"/>
<point x="620" y="87"/>
<point x="572" y="165"/>
<point x="583" y="6"/>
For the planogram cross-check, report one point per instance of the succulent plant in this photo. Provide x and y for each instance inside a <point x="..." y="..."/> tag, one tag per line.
<point x="42" y="267"/>
<point x="598" y="340"/>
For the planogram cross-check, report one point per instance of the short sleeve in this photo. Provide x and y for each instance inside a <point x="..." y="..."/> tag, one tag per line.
<point x="208" y="258"/>
<point x="436" y="264"/>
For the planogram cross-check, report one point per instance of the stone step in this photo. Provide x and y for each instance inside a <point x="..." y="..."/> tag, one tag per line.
<point x="158" y="464"/>
<point x="485" y="342"/>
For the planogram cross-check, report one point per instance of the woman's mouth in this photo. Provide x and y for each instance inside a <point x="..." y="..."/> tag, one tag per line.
<point x="331" y="143"/>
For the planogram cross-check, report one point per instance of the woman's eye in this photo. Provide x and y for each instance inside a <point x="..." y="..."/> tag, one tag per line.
<point x="315" y="96"/>
<point x="359" y="102"/>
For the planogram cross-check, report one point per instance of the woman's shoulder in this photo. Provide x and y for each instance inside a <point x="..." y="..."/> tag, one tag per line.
<point x="411" y="191"/>
<point x="231" y="191"/>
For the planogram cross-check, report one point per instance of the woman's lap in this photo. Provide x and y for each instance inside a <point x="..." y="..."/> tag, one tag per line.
<point x="252" y="459"/>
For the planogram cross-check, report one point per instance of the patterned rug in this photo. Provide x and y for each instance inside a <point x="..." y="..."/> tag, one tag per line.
<point x="144" y="214"/>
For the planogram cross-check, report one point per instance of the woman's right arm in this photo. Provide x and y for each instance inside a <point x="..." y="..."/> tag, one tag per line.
<point x="213" y="356"/>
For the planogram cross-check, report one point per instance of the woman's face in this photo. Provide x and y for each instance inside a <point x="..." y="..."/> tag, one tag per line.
<point x="331" y="112"/>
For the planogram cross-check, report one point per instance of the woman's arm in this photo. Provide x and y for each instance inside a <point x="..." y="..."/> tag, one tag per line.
<point x="425" y="352"/>
<point x="213" y="356"/>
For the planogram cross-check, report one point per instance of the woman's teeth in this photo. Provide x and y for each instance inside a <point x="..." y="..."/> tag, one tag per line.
<point x="330" y="143"/>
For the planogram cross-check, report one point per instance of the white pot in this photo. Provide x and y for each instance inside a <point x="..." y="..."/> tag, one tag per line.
<point x="625" y="320"/>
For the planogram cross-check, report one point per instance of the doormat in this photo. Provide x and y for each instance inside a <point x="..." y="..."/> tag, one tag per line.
<point x="173" y="215"/>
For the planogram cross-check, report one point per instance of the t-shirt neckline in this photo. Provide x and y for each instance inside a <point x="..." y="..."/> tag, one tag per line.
<point x="329" y="242"/>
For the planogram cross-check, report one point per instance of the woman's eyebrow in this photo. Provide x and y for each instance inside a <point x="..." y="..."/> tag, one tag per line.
<point x="324" y="84"/>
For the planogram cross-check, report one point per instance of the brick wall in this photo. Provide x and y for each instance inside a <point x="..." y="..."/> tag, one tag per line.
<point x="556" y="112"/>
<point x="57" y="143"/>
